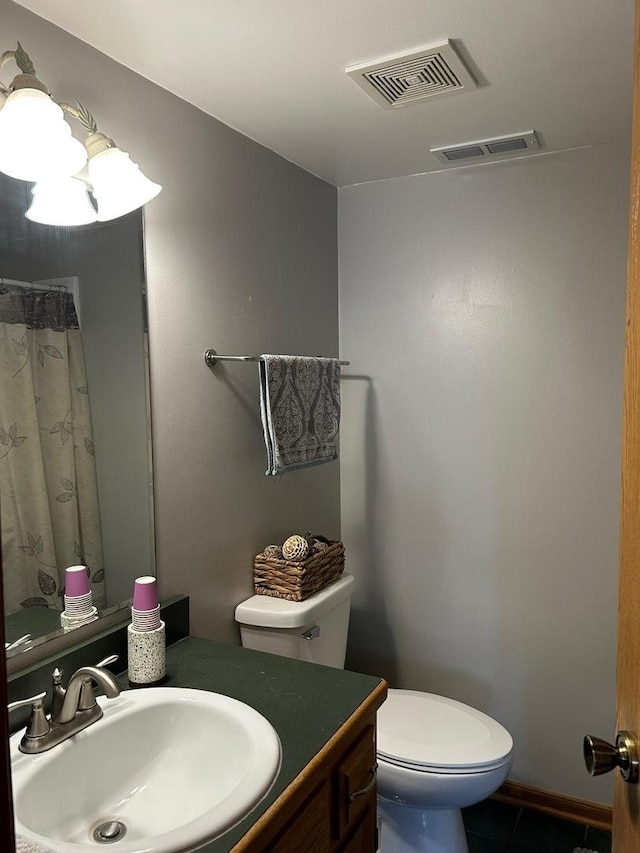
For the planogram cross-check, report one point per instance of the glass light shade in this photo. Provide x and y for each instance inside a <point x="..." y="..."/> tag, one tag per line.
<point x="35" y="139"/>
<point x="61" y="201"/>
<point x="118" y="184"/>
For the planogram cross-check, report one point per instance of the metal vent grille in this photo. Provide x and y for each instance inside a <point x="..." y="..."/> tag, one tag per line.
<point x="492" y="149"/>
<point x="508" y="145"/>
<point x="399" y="81"/>
<point x="464" y="153"/>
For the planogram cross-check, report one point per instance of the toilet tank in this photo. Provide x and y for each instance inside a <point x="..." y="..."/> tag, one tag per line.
<point x="313" y="630"/>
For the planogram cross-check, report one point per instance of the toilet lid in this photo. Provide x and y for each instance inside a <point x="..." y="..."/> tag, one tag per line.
<point x="423" y="730"/>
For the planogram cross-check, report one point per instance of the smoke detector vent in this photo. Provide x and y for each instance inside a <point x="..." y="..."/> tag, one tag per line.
<point x="499" y="147"/>
<point x="399" y="81"/>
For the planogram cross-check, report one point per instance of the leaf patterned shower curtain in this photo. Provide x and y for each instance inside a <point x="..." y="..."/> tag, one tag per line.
<point x="49" y="512"/>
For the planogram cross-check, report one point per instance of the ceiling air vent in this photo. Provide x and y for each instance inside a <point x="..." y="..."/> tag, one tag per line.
<point x="499" y="147"/>
<point x="410" y="78"/>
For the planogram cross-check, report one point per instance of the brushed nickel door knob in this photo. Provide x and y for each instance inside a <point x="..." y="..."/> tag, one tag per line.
<point x="602" y="757"/>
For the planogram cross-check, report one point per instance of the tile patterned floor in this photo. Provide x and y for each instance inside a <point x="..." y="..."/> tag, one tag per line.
<point x="494" y="827"/>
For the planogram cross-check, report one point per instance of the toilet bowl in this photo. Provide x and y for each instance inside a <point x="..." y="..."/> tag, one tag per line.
<point x="435" y="755"/>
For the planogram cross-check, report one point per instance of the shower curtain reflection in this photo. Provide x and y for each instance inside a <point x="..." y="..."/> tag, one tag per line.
<point x="49" y="512"/>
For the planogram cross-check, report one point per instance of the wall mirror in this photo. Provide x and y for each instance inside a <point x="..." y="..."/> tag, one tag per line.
<point x="75" y="451"/>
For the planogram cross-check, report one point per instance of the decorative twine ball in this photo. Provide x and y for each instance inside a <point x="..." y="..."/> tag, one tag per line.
<point x="295" y="548"/>
<point x="320" y="545"/>
<point x="273" y="551"/>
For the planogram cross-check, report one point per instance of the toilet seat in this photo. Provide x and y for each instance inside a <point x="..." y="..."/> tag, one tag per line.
<point x="433" y="734"/>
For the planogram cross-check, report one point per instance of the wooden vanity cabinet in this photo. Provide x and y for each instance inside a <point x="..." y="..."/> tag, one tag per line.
<point x="331" y="805"/>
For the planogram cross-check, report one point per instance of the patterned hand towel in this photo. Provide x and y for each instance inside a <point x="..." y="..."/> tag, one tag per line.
<point x="300" y="407"/>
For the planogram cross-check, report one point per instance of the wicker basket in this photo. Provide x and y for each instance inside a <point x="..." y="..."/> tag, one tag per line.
<point x="298" y="580"/>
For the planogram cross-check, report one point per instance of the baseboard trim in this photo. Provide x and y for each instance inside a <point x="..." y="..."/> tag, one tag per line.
<point x="559" y="805"/>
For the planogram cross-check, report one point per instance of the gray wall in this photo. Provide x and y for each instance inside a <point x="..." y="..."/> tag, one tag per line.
<point x="241" y="256"/>
<point x="484" y="309"/>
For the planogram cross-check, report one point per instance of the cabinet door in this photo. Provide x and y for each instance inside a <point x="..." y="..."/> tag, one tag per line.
<point x="365" y="837"/>
<point x="355" y="783"/>
<point x="310" y="830"/>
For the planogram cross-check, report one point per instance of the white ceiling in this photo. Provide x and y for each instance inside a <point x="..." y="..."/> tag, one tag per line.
<point x="274" y="70"/>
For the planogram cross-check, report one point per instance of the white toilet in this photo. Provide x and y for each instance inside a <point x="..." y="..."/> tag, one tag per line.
<point x="435" y="755"/>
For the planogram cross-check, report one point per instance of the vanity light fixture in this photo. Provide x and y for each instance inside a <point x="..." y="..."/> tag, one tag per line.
<point x="61" y="201"/>
<point x="35" y="140"/>
<point x="117" y="183"/>
<point x="36" y="145"/>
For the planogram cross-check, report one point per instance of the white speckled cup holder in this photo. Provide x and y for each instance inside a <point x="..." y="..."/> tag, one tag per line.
<point x="146" y="656"/>
<point x="68" y="621"/>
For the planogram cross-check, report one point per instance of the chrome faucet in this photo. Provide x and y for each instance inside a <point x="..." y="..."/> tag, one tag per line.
<point x="72" y="711"/>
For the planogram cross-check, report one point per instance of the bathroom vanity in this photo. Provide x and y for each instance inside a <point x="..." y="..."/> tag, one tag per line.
<point x="331" y="805"/>
<point x="324" y="797"/>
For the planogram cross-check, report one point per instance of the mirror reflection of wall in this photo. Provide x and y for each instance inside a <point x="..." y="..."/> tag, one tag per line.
<point x="75" y="484"/>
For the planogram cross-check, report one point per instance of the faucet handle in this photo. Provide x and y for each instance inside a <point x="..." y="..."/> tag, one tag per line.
<point x="38" y="724"/>
<point x="108" y="660"/>
<point x="10" y="647"/>
<point x="87" y="699"/>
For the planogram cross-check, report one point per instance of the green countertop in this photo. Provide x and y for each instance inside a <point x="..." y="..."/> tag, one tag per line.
<point x="36" y="621"/>
<point x="305" y="703"/>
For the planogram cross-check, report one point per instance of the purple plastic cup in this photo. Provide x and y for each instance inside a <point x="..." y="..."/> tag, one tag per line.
<point x="145" y="593"/>
<point x="76" y="581"/>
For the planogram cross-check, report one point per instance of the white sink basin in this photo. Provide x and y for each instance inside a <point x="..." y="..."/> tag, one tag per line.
<point x="177" y="767"/>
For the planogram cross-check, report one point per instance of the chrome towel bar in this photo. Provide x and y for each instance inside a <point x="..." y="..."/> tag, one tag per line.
<point x="211" y="358"/>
